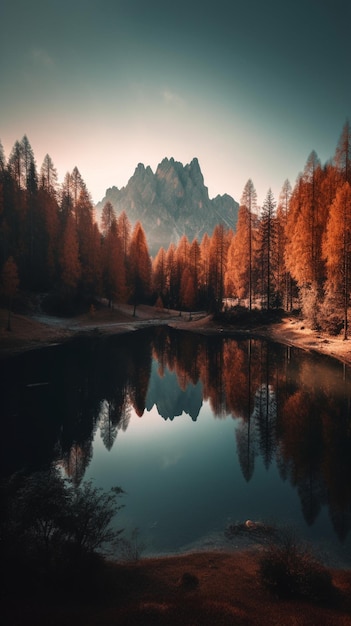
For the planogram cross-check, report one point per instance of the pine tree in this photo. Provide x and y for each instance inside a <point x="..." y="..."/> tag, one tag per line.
<point x="305" y="232"/>
<point x="343" y="154"/>
<point x="48" y="176"/>
<point x="139" y="278"/>
<point x="181" y="262"/>
<point x="2" y="162"/>
<point x="187" y="290"/>
<point x="218" y="262"/>
<point x="108" y="215"/>
<point x="204" y="274"/>
<point x="159" y="274"/>
<point x="283" y="278"/>
<point x="249" y="199"/>
<point x="238" y="264"/>
<point x="172" y="277"/>
<point x="337" y="251"/>
<point x="9" y="284"/>
<point x="88" y="245"/>
<point x="268" y="240"/>
<point x="69" y="259"/>
<point x="114" y="279"/>
<point x="15" y="165"/>
<point x="124" y="231"/>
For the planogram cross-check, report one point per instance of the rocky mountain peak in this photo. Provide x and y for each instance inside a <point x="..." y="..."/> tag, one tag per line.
<point x="171" y="202"/>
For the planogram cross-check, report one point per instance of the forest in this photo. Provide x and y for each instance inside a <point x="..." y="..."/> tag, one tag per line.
<point x="291" y="253"/>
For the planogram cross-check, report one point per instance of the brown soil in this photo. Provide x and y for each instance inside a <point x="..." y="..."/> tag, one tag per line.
<point x="200" y="589"/>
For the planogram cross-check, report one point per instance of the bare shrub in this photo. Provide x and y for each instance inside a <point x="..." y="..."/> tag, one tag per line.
<point x="290" y="570"/>
<point x="310" y="306"/>
<point x="331" y="316"/>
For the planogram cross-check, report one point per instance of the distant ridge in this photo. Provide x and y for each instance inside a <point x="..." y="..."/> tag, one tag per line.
<point x="170" y="203"/>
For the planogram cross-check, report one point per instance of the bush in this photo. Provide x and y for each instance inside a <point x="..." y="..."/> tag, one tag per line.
<point x="50" y="526"/>
<point x="290" y="570"/>
<point x="331" y="315"/>
<point x="242" y="317"/>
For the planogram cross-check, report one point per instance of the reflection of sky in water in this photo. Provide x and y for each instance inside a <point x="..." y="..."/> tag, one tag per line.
<point x="184" y="483"/>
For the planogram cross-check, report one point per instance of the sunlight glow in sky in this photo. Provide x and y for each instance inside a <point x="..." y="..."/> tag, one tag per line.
<point x="249" y="88"/>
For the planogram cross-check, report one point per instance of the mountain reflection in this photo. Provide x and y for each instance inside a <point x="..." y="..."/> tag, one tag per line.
<point x="170" y="398"/>
<point x="288" y="407"/>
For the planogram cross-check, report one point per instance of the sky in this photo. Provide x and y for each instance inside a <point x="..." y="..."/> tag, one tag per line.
<point x="249" y="87"/>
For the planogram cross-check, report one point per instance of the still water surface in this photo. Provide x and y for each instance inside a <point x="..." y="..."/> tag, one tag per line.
<point x="200" y="432"/>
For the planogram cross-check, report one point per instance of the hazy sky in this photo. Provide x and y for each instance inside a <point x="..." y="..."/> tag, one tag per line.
<point x="249" y="87"/>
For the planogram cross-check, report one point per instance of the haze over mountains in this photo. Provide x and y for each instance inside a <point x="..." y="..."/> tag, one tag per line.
<point x="171" y="202"/>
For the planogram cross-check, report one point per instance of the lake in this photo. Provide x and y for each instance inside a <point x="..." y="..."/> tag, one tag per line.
<point x="200" y="431"/>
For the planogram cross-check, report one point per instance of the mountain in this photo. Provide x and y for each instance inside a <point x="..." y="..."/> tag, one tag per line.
<point x="170" y="203"/>
<point x="170" y="400"/>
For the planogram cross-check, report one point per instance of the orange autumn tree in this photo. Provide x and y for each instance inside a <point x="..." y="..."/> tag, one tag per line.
<point x="113" y="268"/>
<point x="139" y="279"/>
<point x="108" y="215"/>
<point x="343" y="154"/>
<point x="182" y="262"/>
<point x="187" y="294"/>
<point x="124" y="233"/>
<point x="70" y="265"/>
<point x="217" y="265"/>
<point x="204" y="275"/>
<point x="172" y="276"/>
<point x="195" y="260"/>
<point x="240" y="264"/>
<point x="337" y="252"/>
<point x="48" y="207"/>
<point x="283" y="277"/>
<point x="305" y="228"/>
<point x="89" y="245"/>
<point x="159" y="275"/>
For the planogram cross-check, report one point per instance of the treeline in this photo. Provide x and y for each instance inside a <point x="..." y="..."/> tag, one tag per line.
<point x="294" y="251"/>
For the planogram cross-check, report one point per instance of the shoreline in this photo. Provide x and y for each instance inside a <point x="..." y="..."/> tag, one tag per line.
<point x="31" y="332"/>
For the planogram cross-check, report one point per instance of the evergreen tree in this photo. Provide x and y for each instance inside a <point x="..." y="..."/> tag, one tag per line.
<point x="172" y="276"/>
<point x="218" y="262"/>
<point x="187" y="290"/>
<point x="48" y="176"/>
<point x="69" y="259"/>
<point x="108" y="216"/>
<point x="9" y="284"/>
<point x="267" y="252"/>
<point x="114" y="279"/>
<point x="238" y="265"/>
<point x="159" y="274"/>
<point x="249" y="200"/>
<point x="337" y="251"/>
<point x="343" y="154"/>
<point x="283" y="277"/>
<point x="88" y="245"/>
<point x="139" y="267"/>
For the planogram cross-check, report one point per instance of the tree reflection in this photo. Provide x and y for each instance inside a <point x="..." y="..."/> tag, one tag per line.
<point x="289" y="408"/>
